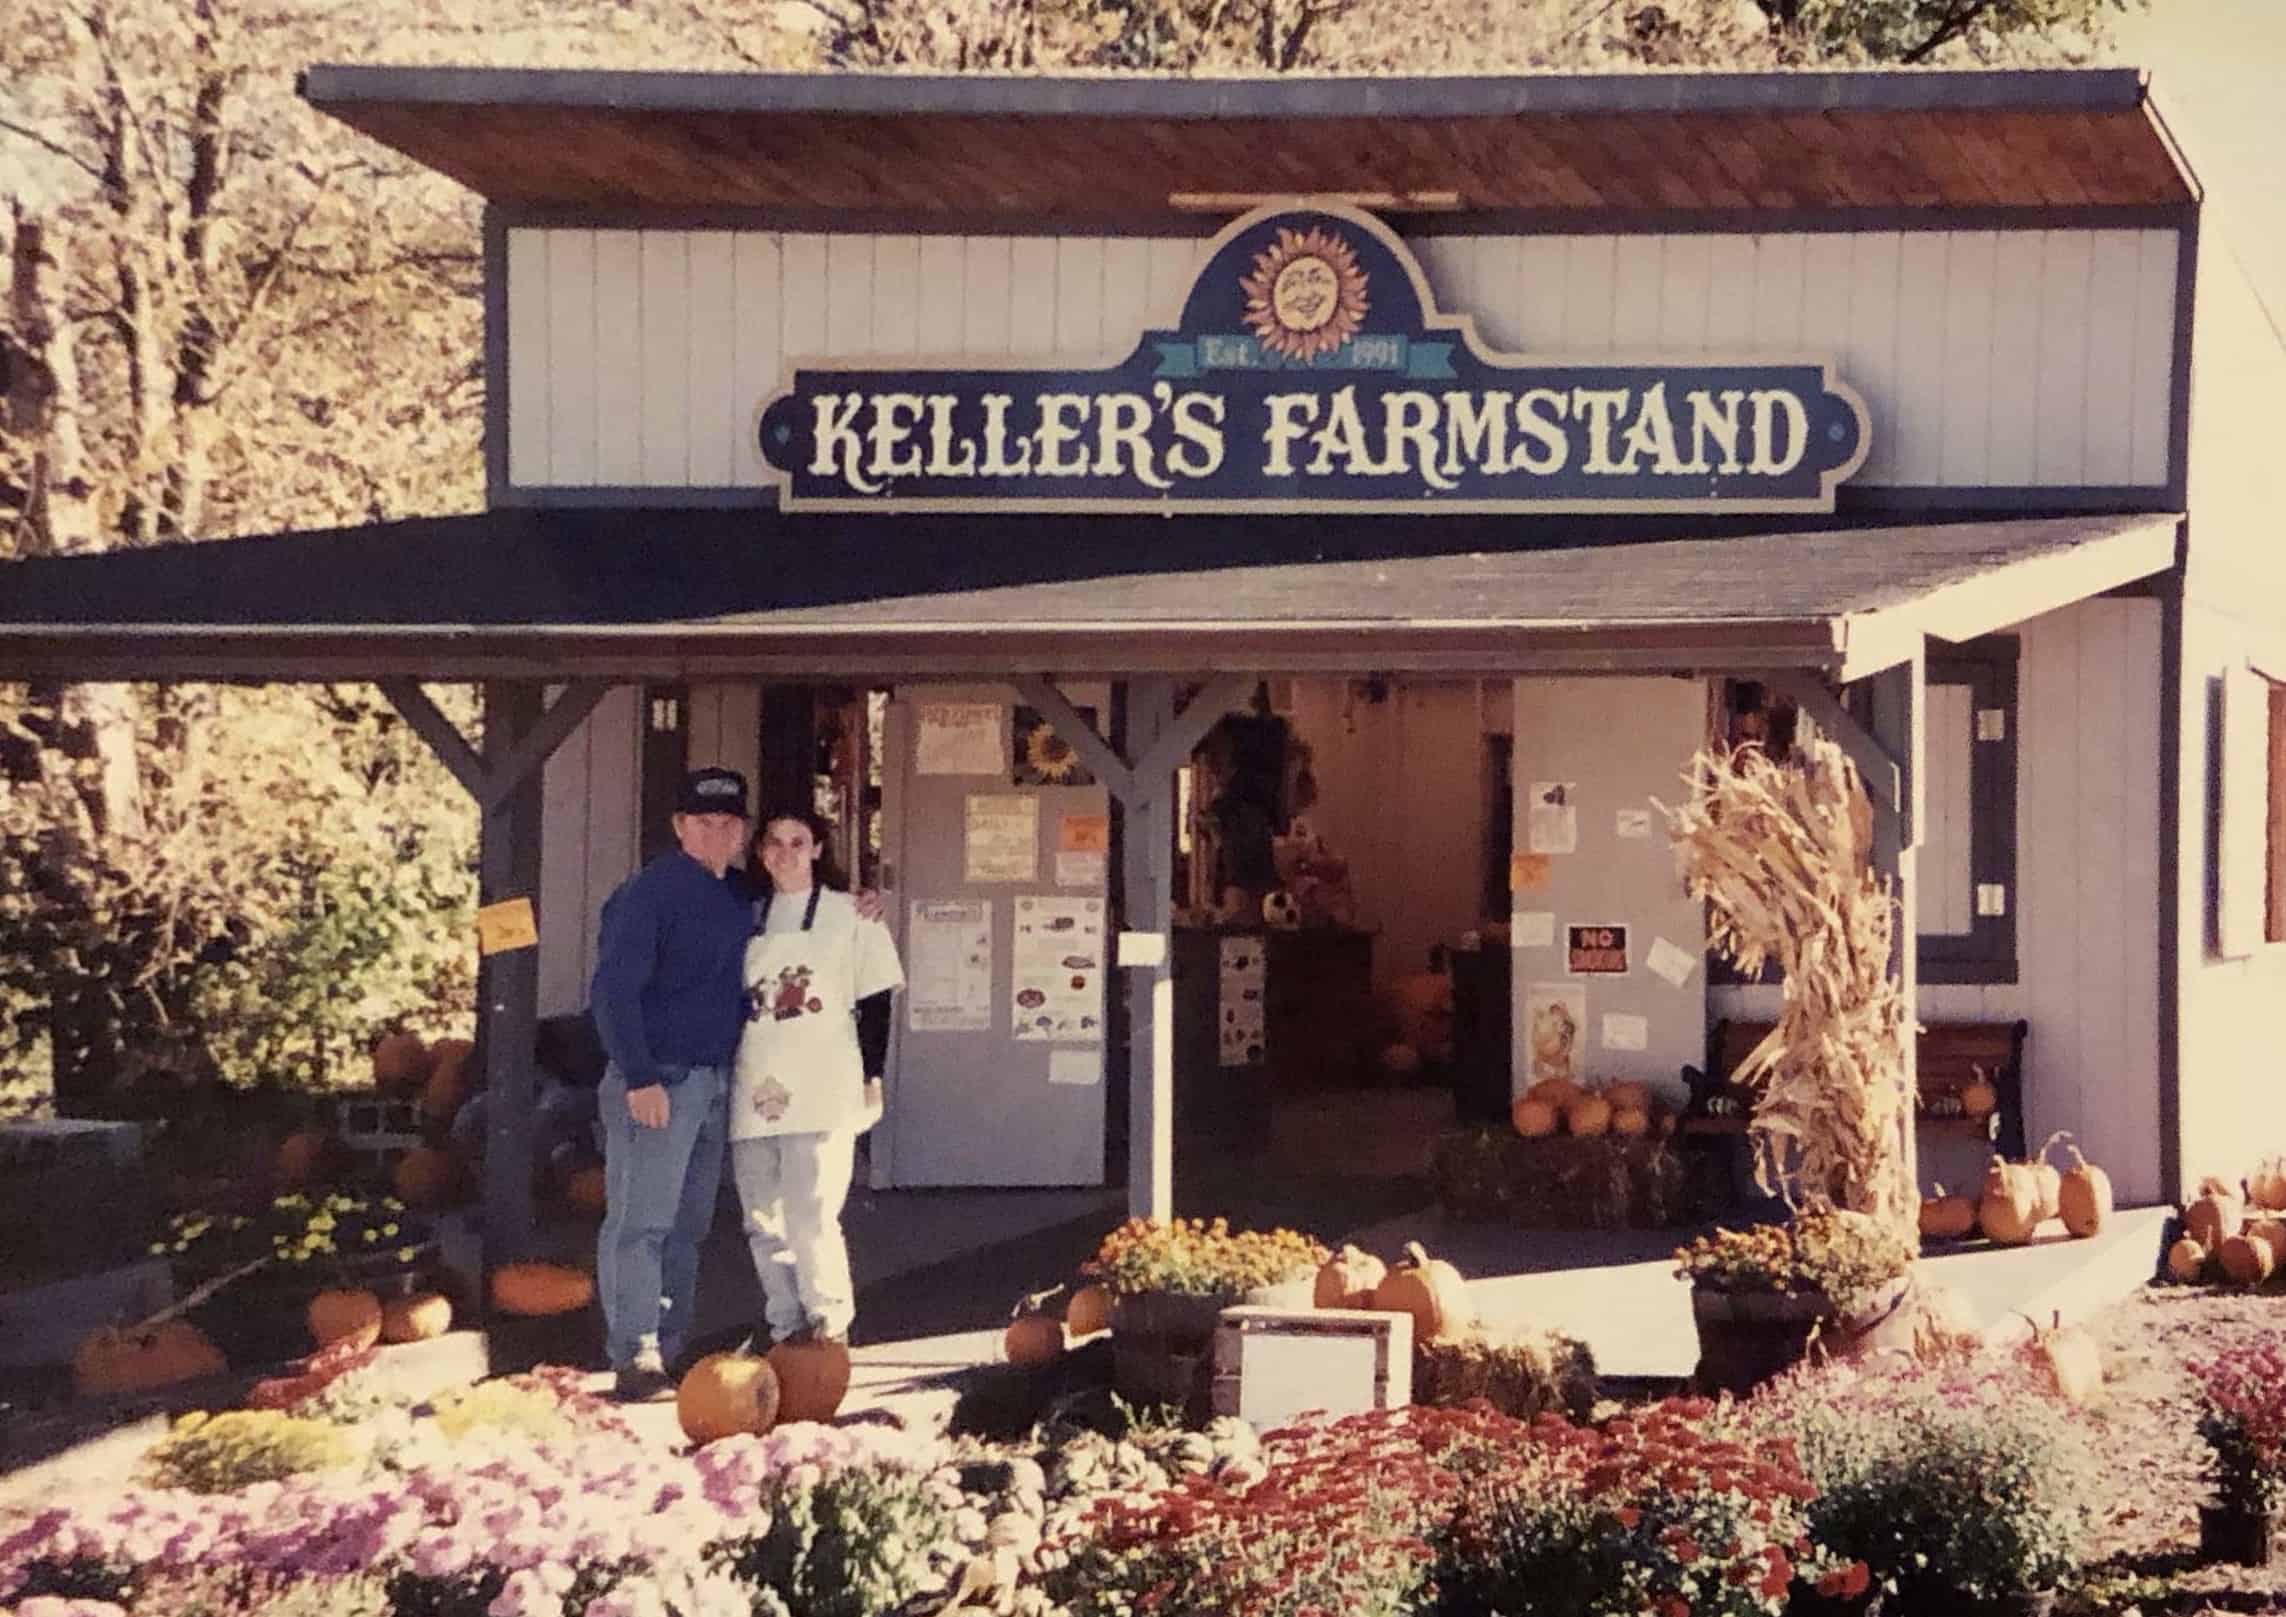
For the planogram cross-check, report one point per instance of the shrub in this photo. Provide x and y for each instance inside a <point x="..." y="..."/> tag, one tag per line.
<point x="1199" y="1258"/>
<point x="1659" y="1511"/>
<point x="224" y="1453"/>
<point x="500" y="1406"/>
<point x="1950" y="1483"/>
<point x="847" y="1543"/>
<point x="1847" y="1256"/>
<point x="2242" y="1415"/>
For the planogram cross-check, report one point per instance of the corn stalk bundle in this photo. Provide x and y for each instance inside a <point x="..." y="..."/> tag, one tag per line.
<point x="1781" y="853"/>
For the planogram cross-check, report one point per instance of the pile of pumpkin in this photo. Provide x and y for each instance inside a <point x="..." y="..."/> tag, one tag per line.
<point x="1429" y="1289"/>
<point x="1554" y="1106"/>
<point x="439" y="1079"/>
<point x="2224" y="1233"/>
<point x="344" y="1322"/>
<point x="726" y="1394"/>
<point x="2019" y="1197"/>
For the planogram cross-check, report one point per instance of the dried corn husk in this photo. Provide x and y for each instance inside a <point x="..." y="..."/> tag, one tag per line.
<point x="1781" y="853"/>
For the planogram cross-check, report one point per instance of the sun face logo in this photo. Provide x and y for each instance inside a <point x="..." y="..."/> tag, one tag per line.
<point x="1306" y="295"/>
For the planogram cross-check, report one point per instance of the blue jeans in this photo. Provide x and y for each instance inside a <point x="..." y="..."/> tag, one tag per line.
<point x="659" y="1190"/>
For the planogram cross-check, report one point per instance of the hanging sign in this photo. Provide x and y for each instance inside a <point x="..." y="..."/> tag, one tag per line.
<point x="1312" y="369"/>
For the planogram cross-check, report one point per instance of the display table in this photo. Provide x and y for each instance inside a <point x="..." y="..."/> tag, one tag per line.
<point x="1317" y="1021"/>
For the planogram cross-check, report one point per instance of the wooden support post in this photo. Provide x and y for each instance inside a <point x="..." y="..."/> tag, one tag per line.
<point x="1148" y="890"/>
<point x="1900" y="708"/>
<point x="521" y="730"/>
<point x="508" y="984"/>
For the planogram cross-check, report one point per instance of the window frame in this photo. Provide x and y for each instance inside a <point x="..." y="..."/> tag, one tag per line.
<point x="1986" y="953"/>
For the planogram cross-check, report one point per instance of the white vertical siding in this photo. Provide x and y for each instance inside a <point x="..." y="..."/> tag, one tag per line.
<point x="588" y="841"/>
<point x="1986" y="358"/>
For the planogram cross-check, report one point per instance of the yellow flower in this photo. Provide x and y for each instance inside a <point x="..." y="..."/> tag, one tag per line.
<point x="372" y="1236"/>
<point x="406" y="1254"/>
<point x="159" y="1247"/>
<point x="388" y="1229"/>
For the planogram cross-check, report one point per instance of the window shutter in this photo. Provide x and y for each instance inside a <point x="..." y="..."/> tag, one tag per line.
<point x="2242" y="843"/>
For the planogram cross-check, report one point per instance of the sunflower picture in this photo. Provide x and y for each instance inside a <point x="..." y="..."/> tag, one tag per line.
<point x="1306" y="295"/>
<point x="1044" y="758"/>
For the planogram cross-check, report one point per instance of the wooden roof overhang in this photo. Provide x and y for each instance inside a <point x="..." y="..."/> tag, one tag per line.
<point x="620" y="594"/>
<point x="1106" y="149"/>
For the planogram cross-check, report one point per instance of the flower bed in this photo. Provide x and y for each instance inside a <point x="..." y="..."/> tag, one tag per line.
<point x="524" y="1497"/>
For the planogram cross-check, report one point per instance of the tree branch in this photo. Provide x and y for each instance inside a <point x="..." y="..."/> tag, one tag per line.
<point x="1951" y="27"/>
<point x="54" y="148"/>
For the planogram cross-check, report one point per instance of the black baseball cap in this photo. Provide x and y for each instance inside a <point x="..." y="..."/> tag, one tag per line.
<point x="712" y="791"/>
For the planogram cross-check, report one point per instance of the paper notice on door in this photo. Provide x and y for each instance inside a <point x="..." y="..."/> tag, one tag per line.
<point x="1079" y="869"/>
<point x="1056" y="969"/>
<point x="1553" y="823"/>
<point x="1241" y="1030"/>
<point x="1532" y="929"/>
<point x="961" y="738"/>
<point x="1075" y="1066"/>
<point x="1083" y="833"/>
<point x="1527" y="872"/>
<point x="950" y="945"/>
<point x="1003" y="838"/>
<point x="1671" y="962"/>
<point x="1633" y="823"/>
<point x="1555" y="1027"/>
<point x="1624" y="1032"/>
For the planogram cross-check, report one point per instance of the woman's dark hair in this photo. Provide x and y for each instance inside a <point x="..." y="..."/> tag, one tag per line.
<point x="829" y="872"/>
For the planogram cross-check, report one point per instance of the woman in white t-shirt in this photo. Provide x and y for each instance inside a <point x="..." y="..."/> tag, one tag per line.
<point x="807" y="1078"/>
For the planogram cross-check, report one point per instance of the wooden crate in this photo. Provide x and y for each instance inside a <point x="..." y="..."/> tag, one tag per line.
<point x="1273" y="1364"/>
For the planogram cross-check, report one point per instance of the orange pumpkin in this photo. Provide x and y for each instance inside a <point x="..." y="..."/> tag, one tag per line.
<point x="1588" y="1116"/>
<point x="2266" y="1186"/>
<point x="1429" y="1289"/>
<point x="538" y="1290"/>
<point x="418" y="1318"/>
<point x="725" y="1394"/>
<point x="2050" y="1184"/>
<point x="1631" y="1121"/>
<point x="1348" y="1279"/>
<point x="813" y="1379"/>
<point x="2213" y="1216"/>
<point x="586" y="1188"/>
<point x="1032" y="1340"/>
<point x="1947" y="1218"/>
<point x="2084" y="1200"/>
<point x="1557" y="1092"/>
<point x="400" y="1063"/>
<point x="1533" y="1119"/>
<point x="2009" y="1209"/>
<point x="1089" y="1311"/>
<point x="427" y="1176"/>
<point x="337" y="1315"/>
<point x="2270" y="1232"/>
<point x="2246" y="1259"/>
<point x="1629" y="1092"/>
<point x="1978" y="1099"/>
<point x="450" y="1080"/>
<point x="2068" y="1359"/>
<point x="2186" y="1260"/>
<point x="115" y="1360"/>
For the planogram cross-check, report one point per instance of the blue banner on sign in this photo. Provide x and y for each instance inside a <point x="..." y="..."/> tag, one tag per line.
<point x="1311" y="369"/>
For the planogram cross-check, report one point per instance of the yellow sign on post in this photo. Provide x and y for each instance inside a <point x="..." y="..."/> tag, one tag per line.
<point x="506" y="926"/>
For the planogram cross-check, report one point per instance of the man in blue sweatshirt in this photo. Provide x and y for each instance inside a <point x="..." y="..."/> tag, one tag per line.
<point x="667" y="1003"/>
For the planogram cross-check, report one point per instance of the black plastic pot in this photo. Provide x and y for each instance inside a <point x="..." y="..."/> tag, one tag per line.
<point x="2237" y="1537"/>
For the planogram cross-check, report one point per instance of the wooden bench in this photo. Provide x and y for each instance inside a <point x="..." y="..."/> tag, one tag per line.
<point x="1949" y="1056"/>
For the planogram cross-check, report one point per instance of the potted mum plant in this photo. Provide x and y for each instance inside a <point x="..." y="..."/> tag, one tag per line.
<point x="1764" y="1298"/>
<point x="1170" y="1280"/>
<point x="2243" y="1419"/>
